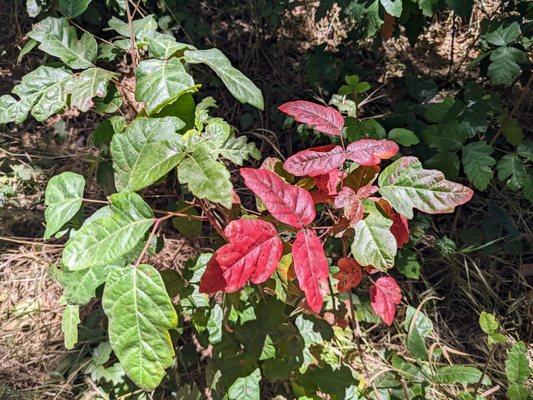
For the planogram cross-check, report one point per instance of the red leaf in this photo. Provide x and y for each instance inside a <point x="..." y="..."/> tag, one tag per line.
<point x="351" y="204"/>
<point x="315" y="161"/>
<point x="311" y="267"/>
<point x="213" y="278"/>
<point x="385" y="295"/>
<point x="349" y="275"/>
<point x="328" y="183"/>
<point x="368" y="152"/>
<point x="289" y="204"/>
<point x="324" y="119"/>
<point x="400" y="225"/>
<point x="366" y="191"/>
<point x="253" y="253"/>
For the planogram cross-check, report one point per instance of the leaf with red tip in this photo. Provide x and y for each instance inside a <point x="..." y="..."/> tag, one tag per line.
<point x="311" y="267"/>
<point x="328" y="183"/>
<point x="349" y="275"/>
<point x="368" y="152"/>
<point x="212" y="280"/>
<point x="400" y="226"/>
<point x="351" y="204"/>
<point x="385" y="295"/>
<point x="289" y="204"/>
<point x="315" y="161"/>
<point x="366" y="191"/>
<point x="253" y="253"/>
<point x="322" y="118"/>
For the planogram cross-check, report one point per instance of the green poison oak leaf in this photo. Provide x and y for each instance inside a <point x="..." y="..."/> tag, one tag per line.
<point x="324" y="119"/>
<point x="385" y="295"/>
<point x="311" y="267"/>
<point x="253" y="253"/>
<point x="368" y="152"/>
<point x="73" y="8"/>
<point x="350" y="274"/>
<point x="406" y="185"/>
<point x="315" y="161"/>
<point x="289" y="204"/>
<point x="400" y="225"/>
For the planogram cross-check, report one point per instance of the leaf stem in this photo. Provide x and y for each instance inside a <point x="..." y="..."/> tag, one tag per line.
<point x="157" y="223"/>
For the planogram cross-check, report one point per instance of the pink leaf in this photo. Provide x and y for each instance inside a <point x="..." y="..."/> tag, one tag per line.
<point x="315" y="161"/>
<point x="368" y="152"/>
<point x="385" y="295"/>
<point x="212" y="280"/>
<point x="400" y="226"/>
<point x="351" y="204"/>
<point x="311" y="267"/>
<point x="328" y="183"/>
<point x="322" y="118"/>
<point x="289" y="204"/>
<point x="349" y="275"/>
<point x="366" y="191"/>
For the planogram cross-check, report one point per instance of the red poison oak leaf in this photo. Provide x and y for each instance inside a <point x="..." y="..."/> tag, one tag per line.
<point x="349" y="201"/>
<point x="328" y="183"/>
<point x="289" y="204"/>
<point x="349" y="275"/>
<point x="253" y="253"/>
<point x="322" y="118"/>
<point x="400" y="225"/>
<point x="212" y="280"/>
<point x="385" y="295"/>
<point x="368" y="152"/>
<point x="315" y="161"/>
<point x="366" y="191"/>
<point x="311" y="267"/>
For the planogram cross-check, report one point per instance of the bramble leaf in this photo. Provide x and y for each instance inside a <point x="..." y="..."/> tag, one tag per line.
<point x="242" y="88"/>
<point x="315" y="161"/>
<point x="324" y="119"/>
<point x="374" y="244"/>
<point x="368" y="152"/>
<point x="63" y="199"/>
<point x="206" y="178"/>
<point x="478" y="163"/>
<point x="103" y="240"/>
<point x="160" y="82"/>
<point x="289" y="204"/>
<point x="385" y="295"/>
<point x="145" y="151"/>
<point x="140" y="315"/>
<point x="513" y="170"/>
<point x="502" y="36"/>
<point x="504" y="67"/>
<point x="253" y="253"/>
<point x="406" y="185"/>
<point x="311" y="267"/>
<point x="60" y="40"/>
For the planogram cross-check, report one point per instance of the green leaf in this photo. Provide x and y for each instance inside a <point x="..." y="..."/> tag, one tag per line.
<point x="503" y="36"/>
<point x="446" y="138"/>
<point x="69" y="325"/>
<point x="33" y="7"/>
<point x="44" y="90"/>
<point x="59" y="39"/>
<point x="407" y="370"/>
<point x="512" y="169"/>
<point x="214" y="324"/>
<point x="418" y="327"/>
<point x="12" y="110"/>
<point x="101" y="353"/>
<point x="504" y="68"/>
<point x="463" y="8"/>
<point x="73" y="8"/>
<point x="105" y="130"/>
<point x="478" y="163"/>
<point x="237" y="150"/>
<point x="206" y="177"/>
<point x="146" y="150"/>
<point x="138" y="26"/>
<point x="63" y="199"/>
<point x="160" y="82"/>
<point x="239" y="85"/>
<point x="402" y="136"/>
<point x="161" y="45"/>
<point x="428" y="7"/>
<point x="406" y="185"/>
<point x="457" y="374"/>
<point x="511" y="129"/>
<point x="79" y="286"/>
<point x="488" y="322"/>
<point x="393" y="7"/>
<point x="140" y="315"/>
<point x="448" y="163"/>
<point x="190" y="228"/>
<point x="357" y="129"/>
<point x="246" y="388"/>
<point x="30" y="44"/>
<point x="106" y="239"/>
<point x="374" y="244"/>
<point x="86" y="85"/>
<point x="517" y="364"/>
<point x="518" y="392"/>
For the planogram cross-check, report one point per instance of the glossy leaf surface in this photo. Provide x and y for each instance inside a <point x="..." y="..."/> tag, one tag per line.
<point x="315" y="161"/>
<point x="385" y="295"/>
<point x="324" y="119"/>
<point x="369" y="152"/>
